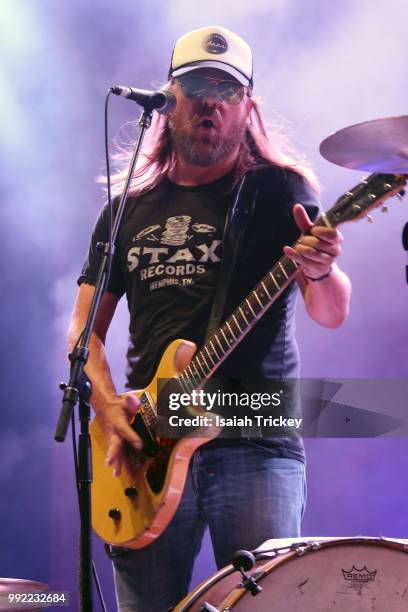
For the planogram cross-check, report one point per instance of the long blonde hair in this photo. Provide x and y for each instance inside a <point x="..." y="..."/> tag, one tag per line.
<point x="261" y="147"/>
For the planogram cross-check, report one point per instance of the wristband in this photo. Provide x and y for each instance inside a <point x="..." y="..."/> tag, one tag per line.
<point x="320" y="278"/>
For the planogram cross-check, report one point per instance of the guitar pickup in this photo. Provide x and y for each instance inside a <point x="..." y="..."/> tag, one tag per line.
<point x="143" y="424"/>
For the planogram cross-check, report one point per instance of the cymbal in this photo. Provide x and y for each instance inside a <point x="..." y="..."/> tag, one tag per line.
<point x="380" y="145"/>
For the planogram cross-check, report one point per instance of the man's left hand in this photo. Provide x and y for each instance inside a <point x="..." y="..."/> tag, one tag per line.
<point x="317" y="251"/>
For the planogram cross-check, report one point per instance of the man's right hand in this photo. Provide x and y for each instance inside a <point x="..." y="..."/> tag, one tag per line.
<point x="114" y="419"/>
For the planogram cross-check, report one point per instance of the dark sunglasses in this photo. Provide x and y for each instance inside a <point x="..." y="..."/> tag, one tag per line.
<point x="196" y="86"/>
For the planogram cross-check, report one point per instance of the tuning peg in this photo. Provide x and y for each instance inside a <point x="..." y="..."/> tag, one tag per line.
<point x="385" y="208"/>
<point x="401" y="194"/>
<point x="370" y="219"/>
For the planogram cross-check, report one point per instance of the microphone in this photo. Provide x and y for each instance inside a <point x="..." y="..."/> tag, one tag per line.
<point x="162" y="101"/>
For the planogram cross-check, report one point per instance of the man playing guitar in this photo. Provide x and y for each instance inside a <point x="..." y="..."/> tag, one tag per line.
<point x="168" y="254"/>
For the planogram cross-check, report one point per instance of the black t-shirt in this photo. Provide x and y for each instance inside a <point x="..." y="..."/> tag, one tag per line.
<point x="166" y="261"/>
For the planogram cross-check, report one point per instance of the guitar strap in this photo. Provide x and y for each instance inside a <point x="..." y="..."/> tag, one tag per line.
<point x="237" y="220"/>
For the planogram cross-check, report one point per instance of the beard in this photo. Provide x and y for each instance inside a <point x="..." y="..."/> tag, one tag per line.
<point x="203" y="149"/>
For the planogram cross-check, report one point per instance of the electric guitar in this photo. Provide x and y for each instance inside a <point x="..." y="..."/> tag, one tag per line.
<point x="133" y="509"/>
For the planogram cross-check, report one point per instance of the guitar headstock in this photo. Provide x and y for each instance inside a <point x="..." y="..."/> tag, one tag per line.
<point x="370" y="193"/>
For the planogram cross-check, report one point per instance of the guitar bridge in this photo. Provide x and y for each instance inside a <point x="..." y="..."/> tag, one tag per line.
<point x="148" y="407"/>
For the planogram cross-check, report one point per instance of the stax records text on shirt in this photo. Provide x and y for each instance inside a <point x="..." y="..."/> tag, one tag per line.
<point x="172" y="253"/>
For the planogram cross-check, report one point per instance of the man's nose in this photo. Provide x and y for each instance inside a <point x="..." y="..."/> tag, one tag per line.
<point x="208" y="106"/>
<point x="210" y="94"/>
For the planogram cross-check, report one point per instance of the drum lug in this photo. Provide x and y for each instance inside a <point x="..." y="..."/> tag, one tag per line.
<point x="302" y="550"/>
<point x="206" y="607"/>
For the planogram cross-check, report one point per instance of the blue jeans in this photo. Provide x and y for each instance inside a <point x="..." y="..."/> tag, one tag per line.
<point x="243" y="494"/>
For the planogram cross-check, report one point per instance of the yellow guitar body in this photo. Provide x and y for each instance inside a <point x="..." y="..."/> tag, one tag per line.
<point x="126" y="509"/>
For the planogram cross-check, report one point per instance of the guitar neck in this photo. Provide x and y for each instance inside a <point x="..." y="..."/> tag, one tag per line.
<point x="217" y="348"/>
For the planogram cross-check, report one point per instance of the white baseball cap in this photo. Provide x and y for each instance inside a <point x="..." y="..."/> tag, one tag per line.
<point x="213" y="47"/>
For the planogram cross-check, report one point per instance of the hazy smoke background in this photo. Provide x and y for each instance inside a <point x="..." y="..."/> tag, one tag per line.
<point x="321" y="66"/>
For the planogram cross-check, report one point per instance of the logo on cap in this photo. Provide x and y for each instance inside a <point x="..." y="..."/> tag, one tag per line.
<point x="215" y="43"/>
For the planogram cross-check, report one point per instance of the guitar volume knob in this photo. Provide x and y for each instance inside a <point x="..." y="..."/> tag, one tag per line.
<point x="131" y="492"/>
<point x="114" y="514"/>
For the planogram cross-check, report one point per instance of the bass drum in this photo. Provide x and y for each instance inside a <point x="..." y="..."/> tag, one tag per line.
<point x="352" y="575"/>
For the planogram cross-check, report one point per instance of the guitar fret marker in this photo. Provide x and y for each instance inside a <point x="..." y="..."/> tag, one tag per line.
<point x="188" y="368"/>
<point x="243" y="315"/>
<point x="213" y="348"/>
<point x="231" y="332"/>
<point x="283" y="269"/>
<point x="266" y="291"/>
<point x="237" y="324"/>
<point x="209" y="355"/>
<point x="198" y="363"/>
<point x="250" y="307"/>
<point x="274" y="280"/>
<point x="197" y="374"/>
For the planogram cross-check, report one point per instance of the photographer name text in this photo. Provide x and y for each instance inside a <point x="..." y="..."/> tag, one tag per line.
<point x="216" y="420"/>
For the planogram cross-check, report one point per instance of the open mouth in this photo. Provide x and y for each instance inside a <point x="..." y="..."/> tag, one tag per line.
<point x="207" y="123"/>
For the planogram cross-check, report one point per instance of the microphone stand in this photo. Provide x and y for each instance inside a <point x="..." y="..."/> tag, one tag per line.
<point x="76" y="389"/>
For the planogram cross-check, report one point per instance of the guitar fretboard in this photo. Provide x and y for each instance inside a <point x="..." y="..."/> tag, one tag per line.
<point x="207" y="360"/>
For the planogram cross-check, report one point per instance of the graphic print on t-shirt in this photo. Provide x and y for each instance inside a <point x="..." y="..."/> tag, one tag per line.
<point x="183" y="249"/>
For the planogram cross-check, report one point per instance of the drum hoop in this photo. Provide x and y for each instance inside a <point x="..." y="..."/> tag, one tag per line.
<point x="203" y="587"/>
<point x="304" y="548"/>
